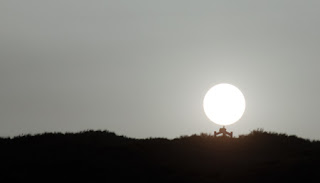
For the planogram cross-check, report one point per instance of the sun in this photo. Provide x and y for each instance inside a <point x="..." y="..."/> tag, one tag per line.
<point x="224" y="104"/>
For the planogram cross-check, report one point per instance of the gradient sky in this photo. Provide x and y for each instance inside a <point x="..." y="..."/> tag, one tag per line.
<point x="142" y="68"/>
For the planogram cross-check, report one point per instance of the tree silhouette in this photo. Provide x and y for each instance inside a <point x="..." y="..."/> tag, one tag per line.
<point x="96" y="156"/>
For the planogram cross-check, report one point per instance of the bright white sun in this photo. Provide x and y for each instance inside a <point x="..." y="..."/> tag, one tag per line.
<point x="224" y="104"/>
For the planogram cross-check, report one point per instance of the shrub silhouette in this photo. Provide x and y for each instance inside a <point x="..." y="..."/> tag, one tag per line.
<point x="103" y="156"/>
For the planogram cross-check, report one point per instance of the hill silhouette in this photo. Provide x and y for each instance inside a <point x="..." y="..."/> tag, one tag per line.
<point x="102" y="156"/>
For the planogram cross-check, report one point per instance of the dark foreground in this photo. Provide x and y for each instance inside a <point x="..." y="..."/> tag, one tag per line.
<point x="100" y="156"/>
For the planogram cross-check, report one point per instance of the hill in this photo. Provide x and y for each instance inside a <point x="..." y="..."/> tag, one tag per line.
<point x="102" y="156"/>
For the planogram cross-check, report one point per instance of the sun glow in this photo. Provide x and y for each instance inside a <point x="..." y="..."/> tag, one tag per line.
<point x="224" y="104"/>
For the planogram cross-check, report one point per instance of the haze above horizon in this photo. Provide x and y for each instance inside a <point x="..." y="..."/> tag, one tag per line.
<point x="142" y="68"/>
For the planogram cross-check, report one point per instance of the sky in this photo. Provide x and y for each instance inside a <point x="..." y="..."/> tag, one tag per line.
<point x="141" y="68"/>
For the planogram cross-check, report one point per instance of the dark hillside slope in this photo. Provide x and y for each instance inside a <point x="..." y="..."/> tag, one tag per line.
<point x="101" y="156"/>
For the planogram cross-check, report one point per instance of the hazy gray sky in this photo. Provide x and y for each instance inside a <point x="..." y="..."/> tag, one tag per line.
<point x="142" y="68"/>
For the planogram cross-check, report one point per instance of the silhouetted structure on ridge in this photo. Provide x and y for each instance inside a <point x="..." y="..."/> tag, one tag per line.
<point x="224" y="132"/>
<point x="103" y="156"/>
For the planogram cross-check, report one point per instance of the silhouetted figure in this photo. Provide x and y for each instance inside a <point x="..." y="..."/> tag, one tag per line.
<point x="223" y="131"/>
